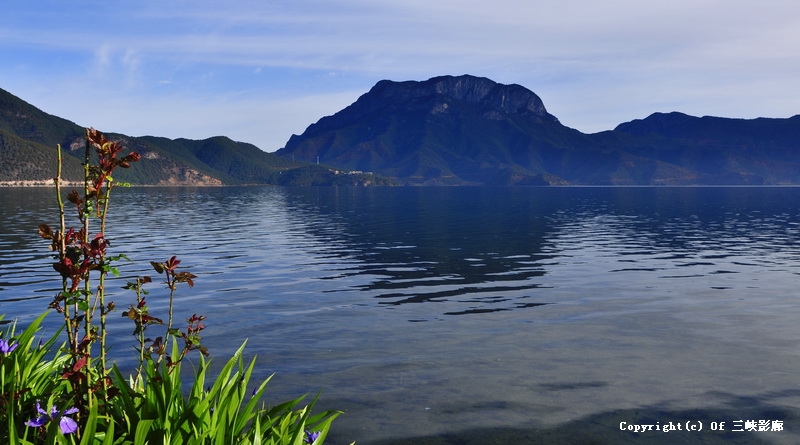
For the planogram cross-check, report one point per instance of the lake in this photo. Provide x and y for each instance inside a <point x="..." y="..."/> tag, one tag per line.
<point x="474" y="315"/>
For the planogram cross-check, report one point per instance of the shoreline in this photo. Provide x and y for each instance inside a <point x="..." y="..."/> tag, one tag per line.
<point x="37" y="183"/>
<point x="48" y="183"/>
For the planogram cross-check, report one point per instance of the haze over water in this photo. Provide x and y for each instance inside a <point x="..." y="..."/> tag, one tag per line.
<point x="447" y="313"/>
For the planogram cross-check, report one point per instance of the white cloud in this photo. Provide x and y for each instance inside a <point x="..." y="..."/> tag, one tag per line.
<point x="102" y="58"/>
<point x="594" y="63"/>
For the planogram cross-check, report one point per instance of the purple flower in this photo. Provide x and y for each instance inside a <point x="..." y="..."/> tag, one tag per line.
<point x="6" y="347"/>
<point x="66" y="424"/>
<point x="311" y="436"/>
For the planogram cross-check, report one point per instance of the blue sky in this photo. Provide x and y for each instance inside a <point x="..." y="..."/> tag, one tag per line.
<point x="258" y="71"/>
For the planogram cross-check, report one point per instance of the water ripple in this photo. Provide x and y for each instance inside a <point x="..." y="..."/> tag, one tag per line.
<point x="394" y="300"/>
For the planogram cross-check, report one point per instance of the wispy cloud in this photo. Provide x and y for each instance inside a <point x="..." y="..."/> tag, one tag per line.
<point x="594" y="63"/>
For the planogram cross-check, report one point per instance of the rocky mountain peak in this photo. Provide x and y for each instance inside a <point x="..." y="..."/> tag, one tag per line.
<point x="434" y="94"/>
<point x="480" y="90"/>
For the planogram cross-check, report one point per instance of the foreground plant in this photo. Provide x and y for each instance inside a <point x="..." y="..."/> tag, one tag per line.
<point x="29" y="371"/>
<point x="103" y="406"/>
<point x="66" y="424"/>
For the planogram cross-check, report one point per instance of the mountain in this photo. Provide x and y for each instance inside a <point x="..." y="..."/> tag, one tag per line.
<point x="23" y="161"/>
<point x="471" y="130"/>
<point x="721" y="150"/>
<point x="447" y="130"/>
<point x="29" y="136"/>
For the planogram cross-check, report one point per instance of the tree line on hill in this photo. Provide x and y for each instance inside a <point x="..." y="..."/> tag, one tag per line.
<point x="448" y="130"/>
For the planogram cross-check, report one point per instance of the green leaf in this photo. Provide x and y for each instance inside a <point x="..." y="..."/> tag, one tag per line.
<point x="142" y="431"/>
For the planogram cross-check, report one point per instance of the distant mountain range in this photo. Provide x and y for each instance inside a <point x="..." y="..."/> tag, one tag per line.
<point x="29" y="136"/>
<point x="471" y="130"/>
<point x="447" y="130"/>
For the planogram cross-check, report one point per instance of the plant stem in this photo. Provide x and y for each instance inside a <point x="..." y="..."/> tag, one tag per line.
<point x="62" y="246"/>
<point x="86" y="284"/>
<point x="171" y="296"/>
<point x="101" y="293"/>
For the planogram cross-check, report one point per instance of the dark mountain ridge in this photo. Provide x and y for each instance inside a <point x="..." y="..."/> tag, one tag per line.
<point x="447" y="130"/>
<point x="738" y="151"/>
<point x="415" y="95"/>
<point x="471" y="130"/>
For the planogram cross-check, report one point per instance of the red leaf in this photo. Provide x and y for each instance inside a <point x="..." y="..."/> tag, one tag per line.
<point x="173" y="262"/>
<point x="79" y="364"/>
<point x="45" y="231"/>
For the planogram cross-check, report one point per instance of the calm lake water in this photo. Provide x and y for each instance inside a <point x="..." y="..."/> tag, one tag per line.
<point x="474" y="315"/>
